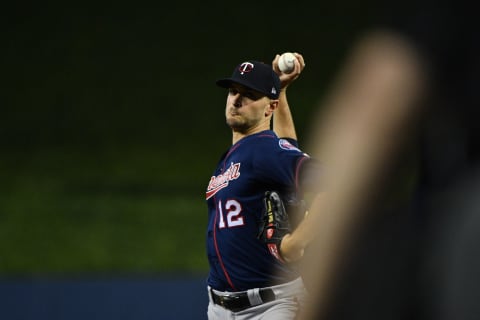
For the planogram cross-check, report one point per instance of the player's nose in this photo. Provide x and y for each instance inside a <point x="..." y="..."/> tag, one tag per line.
<point x="237" y="100"/>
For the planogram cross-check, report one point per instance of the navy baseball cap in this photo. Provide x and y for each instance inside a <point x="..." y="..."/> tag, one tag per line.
<point x="255" y="75"/>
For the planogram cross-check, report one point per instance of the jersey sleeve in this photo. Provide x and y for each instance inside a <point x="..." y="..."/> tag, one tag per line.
<point x="310" y="176"/>
<point x="278" y="163"/>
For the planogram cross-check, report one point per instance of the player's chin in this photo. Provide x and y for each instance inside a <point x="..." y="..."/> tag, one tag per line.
<point x="237" y="124"/>
<point x="233" y="120"/>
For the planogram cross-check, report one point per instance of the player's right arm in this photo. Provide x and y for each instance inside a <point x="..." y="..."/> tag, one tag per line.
<point x="283" y="124"/>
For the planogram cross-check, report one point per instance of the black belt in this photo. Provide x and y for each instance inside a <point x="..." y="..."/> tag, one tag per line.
<point x="239" y="301"/>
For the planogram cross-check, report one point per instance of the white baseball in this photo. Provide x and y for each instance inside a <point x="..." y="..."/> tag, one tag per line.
<point x="286" y="63"/>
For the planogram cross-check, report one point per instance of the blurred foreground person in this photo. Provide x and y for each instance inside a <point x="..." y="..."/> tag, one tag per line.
<point x="397" y="235"/>
<point x="368" y="116"/>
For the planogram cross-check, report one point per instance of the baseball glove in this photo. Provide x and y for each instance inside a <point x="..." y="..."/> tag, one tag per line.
<point x="275" y="223"/>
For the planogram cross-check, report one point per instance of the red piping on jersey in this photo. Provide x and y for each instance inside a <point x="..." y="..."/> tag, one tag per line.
<point x="230" y="151"/>
<point x="297" y="172"/>
<point x="267" y="135"/>
<point x="217" y="250"/>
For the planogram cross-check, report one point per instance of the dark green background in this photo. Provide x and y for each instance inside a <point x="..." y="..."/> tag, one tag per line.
<point x="110" y="122"/>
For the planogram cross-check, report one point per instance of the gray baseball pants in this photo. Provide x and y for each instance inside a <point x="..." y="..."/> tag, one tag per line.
<point x="289" y="297"/>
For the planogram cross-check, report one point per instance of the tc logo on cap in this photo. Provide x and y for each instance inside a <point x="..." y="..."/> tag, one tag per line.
<point x="245" y="67"/>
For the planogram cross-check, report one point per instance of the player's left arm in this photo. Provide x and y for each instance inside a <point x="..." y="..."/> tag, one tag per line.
<point x="283" y="124"/>
<point x="313" y="193"/>
<point x="286" y="227"/>
<point x="293" y="244"/>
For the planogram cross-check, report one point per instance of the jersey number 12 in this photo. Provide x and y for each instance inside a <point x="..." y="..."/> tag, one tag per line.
<point x="233" y="214"/>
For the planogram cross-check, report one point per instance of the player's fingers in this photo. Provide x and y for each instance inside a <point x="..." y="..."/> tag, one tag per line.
<point x="275" y="64"/>
<point x="300" y="60"/>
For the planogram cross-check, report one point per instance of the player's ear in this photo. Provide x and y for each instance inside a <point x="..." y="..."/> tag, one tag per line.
<point x="272" y="106"/>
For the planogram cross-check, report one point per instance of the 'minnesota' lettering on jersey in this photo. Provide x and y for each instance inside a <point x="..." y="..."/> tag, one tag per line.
<point x="221" y="181"/>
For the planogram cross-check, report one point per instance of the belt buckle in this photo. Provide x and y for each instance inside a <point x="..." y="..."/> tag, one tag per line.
<point x="226" y="300"/>
<point x="221" y="298"/>
<point x="230" y="302"/>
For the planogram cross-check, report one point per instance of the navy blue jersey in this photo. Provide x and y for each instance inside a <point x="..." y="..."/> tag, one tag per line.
<point x="252" y="166"/>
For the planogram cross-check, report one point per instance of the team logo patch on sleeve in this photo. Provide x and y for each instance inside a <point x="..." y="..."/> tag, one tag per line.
<point x="286" y="145"/>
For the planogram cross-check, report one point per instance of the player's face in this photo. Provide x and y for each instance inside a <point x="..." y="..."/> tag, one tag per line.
<point x="247" y="109"/>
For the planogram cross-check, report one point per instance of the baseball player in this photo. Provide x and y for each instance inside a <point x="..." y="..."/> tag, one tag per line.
<point x="256" y="182"/>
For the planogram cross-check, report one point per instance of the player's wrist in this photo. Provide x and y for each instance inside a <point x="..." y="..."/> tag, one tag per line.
<point x="290" y="250"/>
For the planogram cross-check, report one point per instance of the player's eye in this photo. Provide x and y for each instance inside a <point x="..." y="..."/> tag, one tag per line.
<point x="251" y="95"/>
<point x="232" y="91"/>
